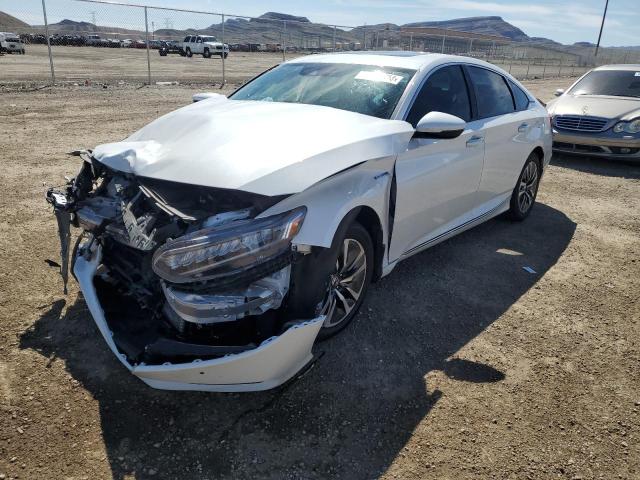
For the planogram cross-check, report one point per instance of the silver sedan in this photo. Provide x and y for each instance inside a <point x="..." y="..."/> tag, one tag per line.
<point x="600" y="114"/>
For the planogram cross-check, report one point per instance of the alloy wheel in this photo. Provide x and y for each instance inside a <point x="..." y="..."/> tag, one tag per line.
<point x="345" y="283"/>
<point x="528" y="187"/>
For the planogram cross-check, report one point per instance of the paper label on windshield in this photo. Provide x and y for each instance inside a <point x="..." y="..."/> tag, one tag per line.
<point x="379" y="76"/>
<point x="637" y="74"/>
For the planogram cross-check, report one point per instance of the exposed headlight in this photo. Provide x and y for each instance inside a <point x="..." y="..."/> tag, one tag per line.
<point x="221" y="251"/>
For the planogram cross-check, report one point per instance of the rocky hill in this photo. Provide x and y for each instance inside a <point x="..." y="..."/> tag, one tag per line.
<point x="9" y="23"/>
<point x="483" y="25"/>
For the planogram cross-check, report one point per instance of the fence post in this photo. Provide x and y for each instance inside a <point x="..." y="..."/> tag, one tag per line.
<point x="284" y="40"/>
<point x="560" y="68"/>
<point x="443" y="40"/>
<point x="146" y="30"/>
<point x="224" y="78"/>
<point x="544" y="67"/>
<point x="364" y="38"/>
<point x="411" y="42"/>
<point x="526" y="76"/>
<point x="334" y="38"/>
<point x="46" y="32"/>
<point x="513" y="56"/>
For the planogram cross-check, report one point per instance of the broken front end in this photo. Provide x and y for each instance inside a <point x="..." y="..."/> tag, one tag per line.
<point x="189" y="286"/>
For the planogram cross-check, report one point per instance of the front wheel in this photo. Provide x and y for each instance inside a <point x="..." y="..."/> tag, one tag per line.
<point x="348" y="280"/>
<point x="188" y="53"/>
<point x="525" y="192"/>
<point x="206" y="53"/>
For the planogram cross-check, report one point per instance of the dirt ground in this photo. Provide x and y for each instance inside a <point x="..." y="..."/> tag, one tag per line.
<point x="77" y="64"/>
<point x="461" y="365"/>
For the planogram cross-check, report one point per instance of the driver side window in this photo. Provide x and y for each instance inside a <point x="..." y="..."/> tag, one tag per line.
<point x="444" y="91"/>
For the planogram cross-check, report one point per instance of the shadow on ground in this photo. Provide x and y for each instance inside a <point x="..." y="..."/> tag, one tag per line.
<point x="352" y="413"/>
<point x="598" y="166"/>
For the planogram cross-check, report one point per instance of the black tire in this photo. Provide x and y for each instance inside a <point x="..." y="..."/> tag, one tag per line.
<point x="354" y="233"/>
<point x="182" y="53"/>
<point x="226" y="54"/>
<point x="163" y="53"/>
<point x="206" y="53"/>
<point x="188" y="53"/>
<point x="525" y="192"/>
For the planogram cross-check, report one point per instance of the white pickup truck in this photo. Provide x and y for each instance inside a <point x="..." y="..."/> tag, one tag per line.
<point x="204" y="45"/>
<point x="11" y="43"/>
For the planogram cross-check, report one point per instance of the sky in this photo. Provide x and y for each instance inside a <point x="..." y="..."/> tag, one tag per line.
<point x="565" y="21"/>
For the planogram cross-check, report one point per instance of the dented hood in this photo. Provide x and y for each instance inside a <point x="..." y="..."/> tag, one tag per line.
<point x="261" y="147"/>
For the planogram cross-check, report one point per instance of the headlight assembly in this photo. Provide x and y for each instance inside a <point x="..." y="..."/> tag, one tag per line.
<point x="221" y="251"/>
<point x="632" y="127"/>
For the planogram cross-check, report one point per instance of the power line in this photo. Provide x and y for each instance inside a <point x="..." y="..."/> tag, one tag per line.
<point x="604" y="15"/>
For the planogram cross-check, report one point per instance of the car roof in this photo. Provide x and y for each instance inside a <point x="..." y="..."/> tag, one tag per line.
<point x="397" y="59"/>
<point x="623" y="66"/>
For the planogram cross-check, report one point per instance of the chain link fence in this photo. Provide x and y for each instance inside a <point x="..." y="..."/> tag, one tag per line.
<point x="97" y="41"/>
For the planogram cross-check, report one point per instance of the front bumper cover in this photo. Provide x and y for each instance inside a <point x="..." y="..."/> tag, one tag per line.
<point x="604" y="144"/>
<point x="272" y="363"/>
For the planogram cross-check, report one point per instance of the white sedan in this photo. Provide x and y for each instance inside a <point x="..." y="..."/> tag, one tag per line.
<point x="222" y="240"/>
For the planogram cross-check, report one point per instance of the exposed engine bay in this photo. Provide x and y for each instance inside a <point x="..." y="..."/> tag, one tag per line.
<point x="186" y="272"/>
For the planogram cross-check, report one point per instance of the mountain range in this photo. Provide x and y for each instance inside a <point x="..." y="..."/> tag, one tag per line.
<point x="270" y="28"/>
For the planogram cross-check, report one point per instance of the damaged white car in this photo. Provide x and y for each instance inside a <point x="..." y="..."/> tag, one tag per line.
<point x="222" y="240"/>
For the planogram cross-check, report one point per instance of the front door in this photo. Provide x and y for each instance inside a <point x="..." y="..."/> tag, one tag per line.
<point x="437" y="179"/>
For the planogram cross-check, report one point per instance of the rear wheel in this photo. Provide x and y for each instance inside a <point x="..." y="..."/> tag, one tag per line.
<point x="188" y="53"/>
<point x="348" y="280"/>
<point x="524" y="194"/>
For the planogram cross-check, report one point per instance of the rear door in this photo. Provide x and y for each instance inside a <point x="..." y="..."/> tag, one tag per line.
<point x="437" y="179"/>
<point x="507" y="127"/>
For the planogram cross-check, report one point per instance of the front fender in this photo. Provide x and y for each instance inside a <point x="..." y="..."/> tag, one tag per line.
<point x="330" y="200"/>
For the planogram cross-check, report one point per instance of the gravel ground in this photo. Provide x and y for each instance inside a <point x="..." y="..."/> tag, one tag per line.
<point x="460" y="364"/>
<point x="77" y="64"/>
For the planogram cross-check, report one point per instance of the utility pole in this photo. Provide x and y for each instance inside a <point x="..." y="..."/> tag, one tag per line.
<point x="604" y="15"/>
<point x="93" y="17"/>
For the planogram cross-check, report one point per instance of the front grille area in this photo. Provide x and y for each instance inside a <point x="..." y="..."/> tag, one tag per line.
<point x="580" y="123"/>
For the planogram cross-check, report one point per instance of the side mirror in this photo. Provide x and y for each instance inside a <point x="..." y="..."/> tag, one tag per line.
<point x="440" y="125"/>
<point x="559" y="92"/>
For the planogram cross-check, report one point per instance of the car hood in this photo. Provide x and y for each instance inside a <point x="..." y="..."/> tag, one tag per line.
<point x="596" y="106"/>
<point x="261" y="147"/>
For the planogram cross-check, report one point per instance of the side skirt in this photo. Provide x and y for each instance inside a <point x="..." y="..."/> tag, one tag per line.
<point x="500" y="208"/>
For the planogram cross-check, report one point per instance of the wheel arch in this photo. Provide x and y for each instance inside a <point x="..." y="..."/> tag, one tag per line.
<point x="369" y="219"/>
<point x="539" y="152"/>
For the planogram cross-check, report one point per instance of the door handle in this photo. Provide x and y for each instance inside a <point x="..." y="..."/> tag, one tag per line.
<point x="474" y="141"/>
<point x="523" y="127"/>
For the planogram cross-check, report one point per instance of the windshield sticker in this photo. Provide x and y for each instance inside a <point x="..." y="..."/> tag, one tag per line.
<point x="637" y="74"/>
<point x="379" y="76"/>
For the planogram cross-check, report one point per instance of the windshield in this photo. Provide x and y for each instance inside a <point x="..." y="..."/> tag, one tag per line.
<point x="617" y="83"/>
<point x="365" y="89"/>
<point x="208" y="39"/>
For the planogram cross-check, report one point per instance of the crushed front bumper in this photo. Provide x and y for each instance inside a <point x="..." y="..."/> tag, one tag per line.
<point x="270" y="364"/>
<point x="603" y="144"/>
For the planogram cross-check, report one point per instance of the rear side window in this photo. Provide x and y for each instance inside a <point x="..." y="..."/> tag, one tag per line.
<point x="444" y="91"/>
<point x="492" y="92"/>
<point x="187" y="39"/>
<point x="521" y="98"/>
